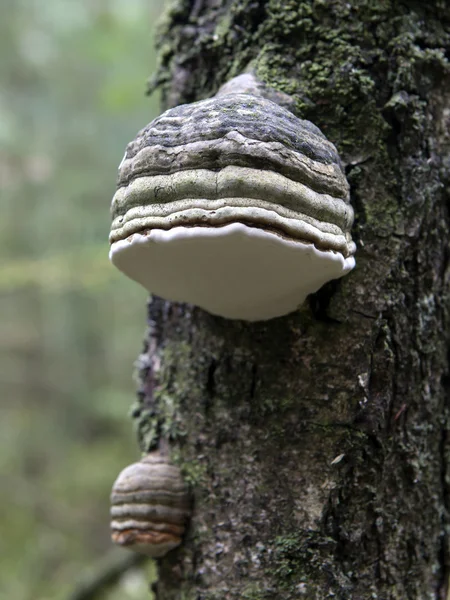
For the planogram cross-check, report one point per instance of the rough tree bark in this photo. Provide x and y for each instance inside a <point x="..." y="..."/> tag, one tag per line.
<point x="317" y="444"/>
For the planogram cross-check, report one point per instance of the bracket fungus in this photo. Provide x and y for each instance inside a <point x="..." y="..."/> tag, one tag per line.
<point x="232" y="204"/>
<point x="150" y="506"/>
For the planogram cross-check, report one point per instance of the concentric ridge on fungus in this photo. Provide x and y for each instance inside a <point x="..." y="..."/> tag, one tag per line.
<point x="149" y="506"/>
<point x="238" y="151"/>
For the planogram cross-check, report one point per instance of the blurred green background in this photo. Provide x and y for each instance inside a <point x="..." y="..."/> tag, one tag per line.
<point x="71" y="96"/>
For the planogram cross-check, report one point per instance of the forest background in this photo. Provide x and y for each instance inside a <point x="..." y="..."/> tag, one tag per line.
<point x="72" y="82"/>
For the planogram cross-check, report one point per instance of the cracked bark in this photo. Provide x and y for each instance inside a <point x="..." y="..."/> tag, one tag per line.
<point x="317" y="444"/>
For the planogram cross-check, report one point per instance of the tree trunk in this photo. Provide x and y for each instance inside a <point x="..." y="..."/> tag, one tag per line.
<point x="317" y="444"/>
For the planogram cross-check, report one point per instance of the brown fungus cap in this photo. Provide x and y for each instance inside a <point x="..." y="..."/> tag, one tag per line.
<point x="150" y="505"/>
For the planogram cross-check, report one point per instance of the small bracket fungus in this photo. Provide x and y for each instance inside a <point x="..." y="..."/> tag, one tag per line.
<point x="150" y="505"/>
<point x="233" y="204"/>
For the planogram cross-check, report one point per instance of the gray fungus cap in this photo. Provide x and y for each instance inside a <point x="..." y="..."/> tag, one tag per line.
<point x="232" y="204"/>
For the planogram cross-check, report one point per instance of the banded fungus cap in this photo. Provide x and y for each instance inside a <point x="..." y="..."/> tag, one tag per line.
<point x="232" y="204"/>
<point x="150" y="505"/>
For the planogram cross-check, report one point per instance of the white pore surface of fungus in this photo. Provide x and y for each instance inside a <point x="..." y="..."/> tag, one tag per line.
<point x="234" y="271"/>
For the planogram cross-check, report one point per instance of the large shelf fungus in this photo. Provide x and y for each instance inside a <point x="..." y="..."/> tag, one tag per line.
<point x="150" y="505"/>
<point x="232" y="204"/>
